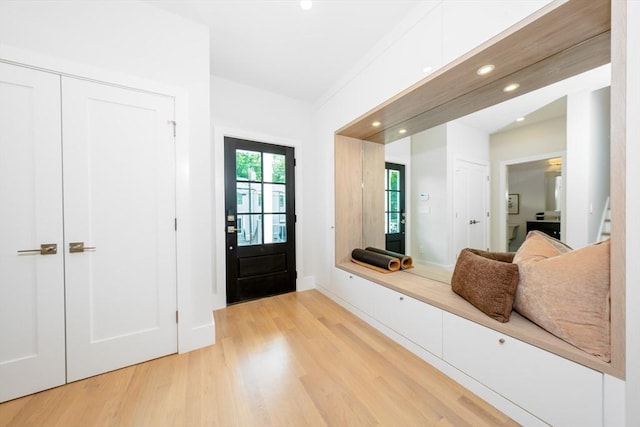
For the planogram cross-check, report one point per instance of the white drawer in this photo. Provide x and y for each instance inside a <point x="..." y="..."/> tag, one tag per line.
<point x="415" y="320"/>
<point x="560" y="392"/>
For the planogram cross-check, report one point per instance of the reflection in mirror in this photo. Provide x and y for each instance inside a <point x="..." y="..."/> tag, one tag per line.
<point x="459" y="174"/>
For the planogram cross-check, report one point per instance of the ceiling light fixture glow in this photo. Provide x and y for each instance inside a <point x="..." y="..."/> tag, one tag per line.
<point x="402" y="131"/>
<point x="511" y="87"/>
<point x="520" y="119"/>
<point x="485" y="69"/>
<point x="427" y="69"/>
<point x="376" y="124"/>
<point x="306" y="4"/>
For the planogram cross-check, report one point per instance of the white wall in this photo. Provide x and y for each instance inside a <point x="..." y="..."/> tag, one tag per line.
<point x="249" y="113"/>
<point x="600" y="161"/>
<point x="587" y="180"/>
<point x="134" y="44"/>
<point x="430" y="207"/>
<point x="519" y="145"/>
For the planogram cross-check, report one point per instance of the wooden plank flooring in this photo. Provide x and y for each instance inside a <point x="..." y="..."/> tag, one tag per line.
<point x="293" y="360"/>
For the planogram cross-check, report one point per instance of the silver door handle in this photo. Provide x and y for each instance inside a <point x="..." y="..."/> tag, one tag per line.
<point x="77" y="247"/>
<point x="232" y="230"/>
<point x="45" y="249"/>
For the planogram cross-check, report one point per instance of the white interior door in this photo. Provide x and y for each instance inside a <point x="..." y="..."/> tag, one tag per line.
<point x="471" y="190"/>
<point x="119" y="198"/>
<point x="32" y="346"/>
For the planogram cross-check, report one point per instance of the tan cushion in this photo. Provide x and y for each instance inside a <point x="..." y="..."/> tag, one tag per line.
<point x="487" y="280"/>
<point x="566" y="291"/>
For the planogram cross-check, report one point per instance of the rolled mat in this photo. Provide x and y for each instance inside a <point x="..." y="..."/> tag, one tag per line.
<point x="405" y="260"/>
<point x="384" y="263"/>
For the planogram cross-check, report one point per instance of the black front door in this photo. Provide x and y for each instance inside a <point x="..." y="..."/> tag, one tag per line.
<point x="395" y="217"/>
<point x="259" y="219"/>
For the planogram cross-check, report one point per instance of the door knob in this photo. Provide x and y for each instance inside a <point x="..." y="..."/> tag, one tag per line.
<point x="77" y="247"/>
<point x="45" y="249"/>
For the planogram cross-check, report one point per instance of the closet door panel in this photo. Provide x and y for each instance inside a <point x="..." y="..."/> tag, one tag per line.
<point x="118" y="153"/>
<point x="32" y="352"/>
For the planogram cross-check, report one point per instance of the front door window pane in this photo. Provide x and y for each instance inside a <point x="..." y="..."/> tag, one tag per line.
<point x="393" y="201"/>
<point x="277" y="224"/>
<point x="251" y="197"/>
<point x="394" y="223"/>
<point x="249" y="230"/>
<point x="394" y="180"/>
<point x="274" y="168"/>
<point x="274" y="198"/>
<point x="248" y="165"/>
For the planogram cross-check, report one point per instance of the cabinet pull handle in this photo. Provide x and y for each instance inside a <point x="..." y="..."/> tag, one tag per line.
<point x="77" y="247"/>
<point x="401" y="298"/>
<point x="45" y="249"/>
<point x="501" y="340"/>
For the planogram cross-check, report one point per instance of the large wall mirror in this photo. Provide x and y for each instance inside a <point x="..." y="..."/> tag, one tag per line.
<point x="484" y="180"/>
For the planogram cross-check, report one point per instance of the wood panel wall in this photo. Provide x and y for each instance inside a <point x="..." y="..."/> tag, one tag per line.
<point x="348" y="196"/>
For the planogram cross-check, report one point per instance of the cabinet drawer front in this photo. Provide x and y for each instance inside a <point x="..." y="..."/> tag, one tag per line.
<point x="554" y="389"/>
<point x="415" y="320"/>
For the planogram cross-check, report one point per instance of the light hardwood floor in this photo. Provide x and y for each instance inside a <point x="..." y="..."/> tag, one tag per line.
<point x="293" y="360"/>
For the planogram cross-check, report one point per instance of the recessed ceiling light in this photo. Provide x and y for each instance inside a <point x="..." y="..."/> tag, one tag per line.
<point x="520" y="119"/>
<point x="306" y="4"/>
<point x="511" y="87"/>
<point x="485" y="69"/>
<point x="376" y="124"/>
<point x="427" y="69"/>
<point x="402" y="131"/>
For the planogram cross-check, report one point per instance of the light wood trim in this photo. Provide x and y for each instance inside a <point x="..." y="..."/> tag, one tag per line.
<point x="373" y="195"/>
<point x="586" y="56"/>
<point x="618" y="186"/>
<point x="348" y="196"/>
<point x="573" y="30"/>
<point x="534" y="39"/>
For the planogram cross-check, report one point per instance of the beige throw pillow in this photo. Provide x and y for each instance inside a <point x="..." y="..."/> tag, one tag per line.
<point x="566" y="291"/>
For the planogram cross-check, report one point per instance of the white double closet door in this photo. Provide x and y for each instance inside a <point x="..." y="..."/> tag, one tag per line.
<point x="83" y="165"/>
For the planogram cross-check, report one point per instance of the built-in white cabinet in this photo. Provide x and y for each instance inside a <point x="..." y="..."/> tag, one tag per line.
<point x="414" y="320"/>
<point x="560" y="392"/>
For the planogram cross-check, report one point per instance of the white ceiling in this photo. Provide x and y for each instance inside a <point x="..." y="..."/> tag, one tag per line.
<point x="276" y="46"/>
